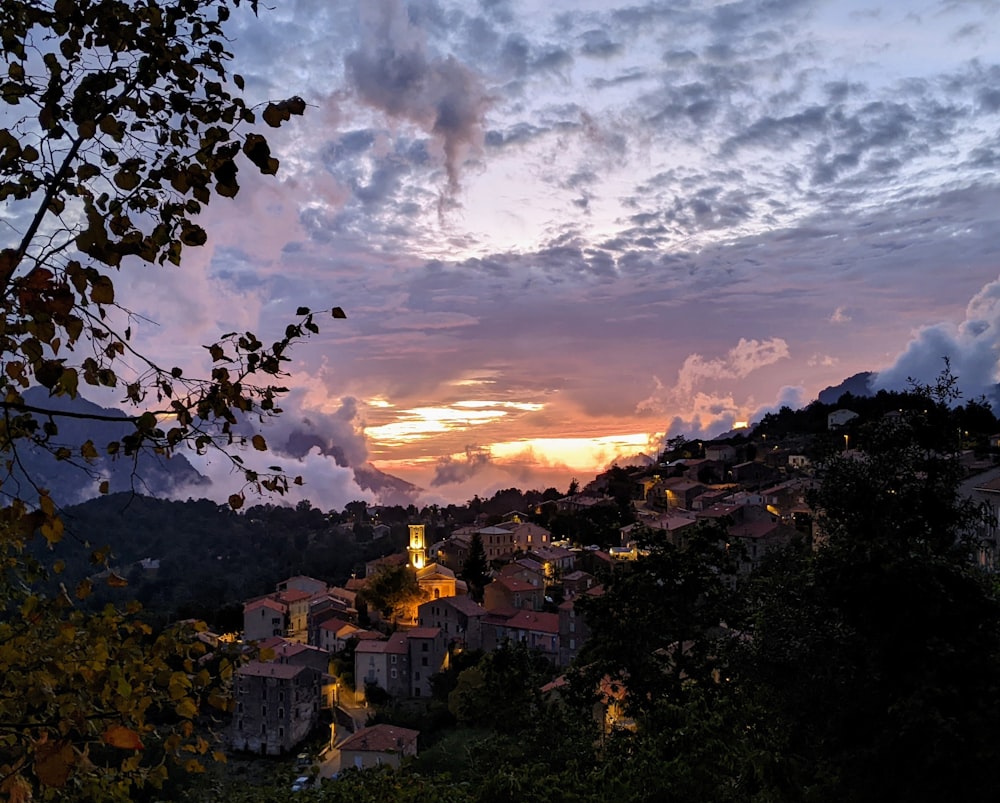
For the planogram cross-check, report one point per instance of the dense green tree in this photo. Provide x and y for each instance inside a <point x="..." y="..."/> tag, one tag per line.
<point x="875" y="661"/>
<point x="476" y="570"/>
<point x="392" y="590"/>
<point x="662" y="624"/>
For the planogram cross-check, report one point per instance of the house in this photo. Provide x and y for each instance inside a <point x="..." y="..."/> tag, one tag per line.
<point x="666" y="525"/>
<point x="510" y="592"/>
<point x="497" y="542"/>
<point x="335" y="633"/>
<point x="577" y="582"/>
<point x="527" y="570"/>
<point x="277" y="706"/>
<point x="720" y="452"/>
<point x="580" y="502"/>
<point x="263" y="618"/>
<point x="678" y="492"/>
<point x="453" y="551"/>
<point x="428" y="654"/>
<point x="573" y="630"/>
<point x="297" y="602"/>
<point x="384" y="664"/>
<point x="799" y="461"/>
<point x="402" y="665"/>
<point x="284" y="651"/>
<point x="556" y="560"/>
<point x="301" y="582"/>
<point x="753" y="472"/>
<point x="458" y="618"/>
<point x="758" y="536"/>
<point x="704" y="470"/>
<point x="378" y="745"/>
<point x="539" y="631"/>
<point x="527" y="535"/>
<point x="323" y="608"/>
<point x="839" y="418"/>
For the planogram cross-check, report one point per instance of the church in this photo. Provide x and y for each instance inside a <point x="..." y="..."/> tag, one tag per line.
<point x="435" y="580"/>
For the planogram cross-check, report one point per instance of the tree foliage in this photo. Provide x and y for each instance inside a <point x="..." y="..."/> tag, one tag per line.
<point x="120" y="123"/>
<point x="393" y="591"/>
<point x="476" y="570"/>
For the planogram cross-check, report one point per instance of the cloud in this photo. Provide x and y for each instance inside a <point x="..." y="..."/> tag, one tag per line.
<point x="393" y="72"/>
<point x="972" y="346"/>
<point x="792" y="396"/>
<point x="741" y="360"/>
<point x="840" y="315"/>
<point x="450" y="471"/>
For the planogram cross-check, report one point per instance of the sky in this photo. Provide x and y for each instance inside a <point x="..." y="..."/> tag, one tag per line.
<point x="564" y="231"/>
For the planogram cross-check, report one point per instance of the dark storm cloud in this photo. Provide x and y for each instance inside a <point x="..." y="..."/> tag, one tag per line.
<point x="393" y="72"/>
<point x="450" y="471"/>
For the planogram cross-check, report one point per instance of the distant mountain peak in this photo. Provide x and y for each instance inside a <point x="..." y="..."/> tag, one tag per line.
<point x="857" y="385"/>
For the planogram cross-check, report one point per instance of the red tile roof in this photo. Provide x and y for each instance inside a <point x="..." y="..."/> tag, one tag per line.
<point x="380" y="739"/>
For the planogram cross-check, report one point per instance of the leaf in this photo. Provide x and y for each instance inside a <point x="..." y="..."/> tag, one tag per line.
<point x="104" y="487"/>
<point x="338" y="312"/>
<point x="259" y="443"/>
<point x="236" y="501"/>
<point x="192" y="234"/>
<point x="89" y="451"/>
<point x="186" y="708"/>
<point x="102" y="290"/>
<point x="52" y="530"/>
<point x="122" y="737"/>
<point x="17" y="788"/>
<point x="115" y="580"/>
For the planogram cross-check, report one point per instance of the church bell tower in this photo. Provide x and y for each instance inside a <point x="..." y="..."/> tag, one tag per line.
<point x="418" y="547"/>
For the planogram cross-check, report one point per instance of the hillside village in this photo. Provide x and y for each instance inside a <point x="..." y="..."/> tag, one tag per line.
<point x="507" y="579"/>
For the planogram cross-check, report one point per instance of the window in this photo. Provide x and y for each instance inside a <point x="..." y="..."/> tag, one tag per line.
<point x="392" y="674"/>
<point x="263" y="711"/>
<point x="392" y="660"/>
<point x="572" y="643"/>
<point x="281" y="713"/>
<point x="424" y="647"/>
<point x="281" y="733"/>
<point x="416" y="676"/>
<point x="423" y="661"/>
<point x="572" y="627"/>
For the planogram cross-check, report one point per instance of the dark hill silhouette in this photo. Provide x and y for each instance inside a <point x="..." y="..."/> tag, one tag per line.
<point x="76" y="479"/>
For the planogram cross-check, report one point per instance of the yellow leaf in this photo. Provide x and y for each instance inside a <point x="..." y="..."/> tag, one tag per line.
<point x="120" y="736"/>
<point x="186" y="708"/>
<point x="259" y="443"/>
<point x="83" y="589"/>
<point x="52" y="530"/>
